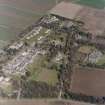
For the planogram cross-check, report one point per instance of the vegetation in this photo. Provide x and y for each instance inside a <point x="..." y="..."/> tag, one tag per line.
<point x="93" y="3"/>
<point x="101" y="61"/>
<point x="39" y="71"/>
<point x="86" y="49"/>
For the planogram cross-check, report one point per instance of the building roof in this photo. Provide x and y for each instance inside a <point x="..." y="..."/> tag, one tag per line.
<point x="88" y="81"/>
<point x="67" y="10"/>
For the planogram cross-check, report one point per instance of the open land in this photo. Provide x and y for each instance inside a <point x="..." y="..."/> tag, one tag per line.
<point x="88" y="81"/>
<point x="15" y="16"/>
<point x="100" y="4"/>
<point x="43" y="62"/>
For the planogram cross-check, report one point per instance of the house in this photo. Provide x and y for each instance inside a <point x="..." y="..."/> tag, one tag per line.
<point x="94" y="56"/>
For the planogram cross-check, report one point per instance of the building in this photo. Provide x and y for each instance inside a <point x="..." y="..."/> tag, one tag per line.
<point x="94" y="57"/>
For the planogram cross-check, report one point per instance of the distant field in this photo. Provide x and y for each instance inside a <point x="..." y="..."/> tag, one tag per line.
<point x="15" y="15"/>
<point x="93" y="3"/>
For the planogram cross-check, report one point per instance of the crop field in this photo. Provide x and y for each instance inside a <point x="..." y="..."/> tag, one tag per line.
<point x="16" y="15"/>
<point x="89" y="82"/>
<point x="92" y="3"/>
<point x="86" y="49"/>
<point x="40" y="72"/>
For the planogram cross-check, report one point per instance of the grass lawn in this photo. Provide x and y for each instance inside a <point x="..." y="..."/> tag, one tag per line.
<point x="101" y="61"/>
<point x="86" y="49"/>
<point x="7" y="88"/>
<point x="48" y="76"/>
<point x="39" y="71"/>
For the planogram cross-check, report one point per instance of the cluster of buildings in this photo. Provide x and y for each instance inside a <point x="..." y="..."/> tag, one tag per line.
<point x="85" y="80"/>
<point x="19" y="63"/>
<point x="34" y="32"/>
<point x="49" y="19"/>
<point x="16" y="45"/>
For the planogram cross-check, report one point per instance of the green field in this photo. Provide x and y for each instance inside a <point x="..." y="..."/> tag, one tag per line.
<point x="101" y="61"/>
<point x="16" y="15"/>
<point x="93" y="3"/>
<point x="40" y="72"/>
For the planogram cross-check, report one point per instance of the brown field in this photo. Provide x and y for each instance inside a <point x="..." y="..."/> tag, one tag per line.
<point x="93" y="19"/>
<point x="88" y="82"/>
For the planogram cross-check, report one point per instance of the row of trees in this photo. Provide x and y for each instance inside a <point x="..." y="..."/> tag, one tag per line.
<point x="82" y="97"/>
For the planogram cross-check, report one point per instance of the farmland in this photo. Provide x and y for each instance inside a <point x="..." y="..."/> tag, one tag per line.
<point x="93" y="3"/>
<point x="15" y="16"/>
<point x="50" y="51"/>
<point x="40" y="72"/>
<point x="89" y="82"/>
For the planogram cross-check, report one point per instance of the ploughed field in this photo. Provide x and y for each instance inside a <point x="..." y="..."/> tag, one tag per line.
<point x="16" y="15"/>
<point x="88" y="82"/>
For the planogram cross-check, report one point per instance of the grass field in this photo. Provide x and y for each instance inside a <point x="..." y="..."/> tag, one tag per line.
<point x="86" y="49"/>
<point x="93" y="3"/>
<point x="101" y="61"/>
<point x="40" y="72"/>
<point x="16" y="15"/>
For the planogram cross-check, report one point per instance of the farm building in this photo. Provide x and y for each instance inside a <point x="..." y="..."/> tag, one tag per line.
<point x="88" y="81"/>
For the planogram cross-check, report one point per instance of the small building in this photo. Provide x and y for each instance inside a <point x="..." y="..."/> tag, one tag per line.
<point x="94" y="56"/>
<point x="16" y="46"/>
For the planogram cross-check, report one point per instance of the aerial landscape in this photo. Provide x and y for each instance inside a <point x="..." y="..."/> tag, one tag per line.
<point x="53" y="50"/>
